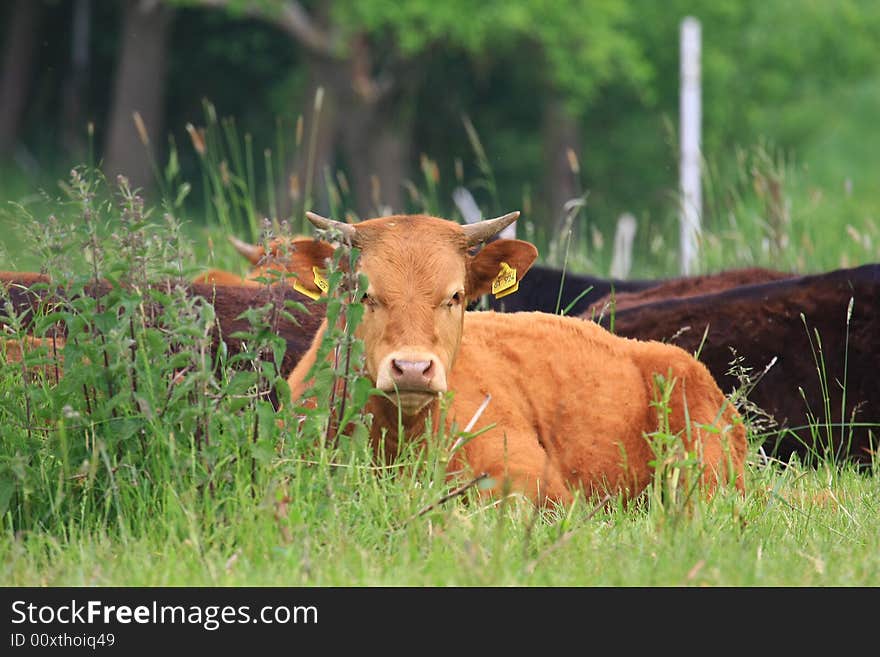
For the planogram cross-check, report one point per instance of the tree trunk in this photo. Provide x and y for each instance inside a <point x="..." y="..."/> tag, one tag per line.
<point x="304" y="170"/>
<point x="562" y="153"/>
<point x="377" y="153"/>
<point x="356" y="117"/>
<point x="21" y="36"/>
<point x="360" y="122"/>
<point x="374" y="141"/>
<point x="355" y="141"/>
<point x="75" y="83"/>
<point x="317" y="151"/>
<point x="139" y="88"/>
<point x="389" y="153"/>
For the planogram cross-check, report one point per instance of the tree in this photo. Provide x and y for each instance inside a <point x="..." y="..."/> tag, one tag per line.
<point x="366" y="55"/>
<point x="357" y="108"/>
<point x="579" y="45"/>
<point x="130" y="147"/>
<point x="76" y="80"/>
<point x="15" y="79"/>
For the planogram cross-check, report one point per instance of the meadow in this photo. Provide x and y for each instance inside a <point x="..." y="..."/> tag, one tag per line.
<point x="152" y="461"/>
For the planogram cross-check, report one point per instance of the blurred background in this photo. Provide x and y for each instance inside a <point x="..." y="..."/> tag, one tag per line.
<point x="226" y="112"/>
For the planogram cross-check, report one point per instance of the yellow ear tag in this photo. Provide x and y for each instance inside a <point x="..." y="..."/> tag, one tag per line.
<point x="302" y="289"/>
<point x="505" y="283"/>
<point x="320" y="281"/>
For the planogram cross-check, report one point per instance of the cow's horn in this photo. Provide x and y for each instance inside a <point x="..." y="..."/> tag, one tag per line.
<point x="249" y="251"/>
<point x="483" y="230"/>
<point x="349" y="233"/>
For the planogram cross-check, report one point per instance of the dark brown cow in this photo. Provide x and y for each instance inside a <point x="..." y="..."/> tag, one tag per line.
<point x="230" y="301"/>
<point x="686" y="286"/>
<point x="584" y="295"/>
<point x="787" y="322"/>
<point x="570" y="404"/>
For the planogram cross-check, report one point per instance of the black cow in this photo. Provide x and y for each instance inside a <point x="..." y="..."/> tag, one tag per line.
<point x="590" y="295"/>
<point x="539" y="290"/>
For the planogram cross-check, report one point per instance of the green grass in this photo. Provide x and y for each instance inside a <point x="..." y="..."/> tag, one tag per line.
<point x="798" y="528"/>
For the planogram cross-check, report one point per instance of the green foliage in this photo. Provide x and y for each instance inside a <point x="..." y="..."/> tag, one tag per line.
<point x="779" y="74"/>
<point x="797" y="77"/>
<point x="338" y="377"/>
<point x="580" y="55"/>
<point x="676" y="469"/>
<point x="143" y="405"/>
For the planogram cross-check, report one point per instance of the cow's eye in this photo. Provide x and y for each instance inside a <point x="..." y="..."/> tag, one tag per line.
<point x="368" y="301"/>
<point x="455" y="299"/>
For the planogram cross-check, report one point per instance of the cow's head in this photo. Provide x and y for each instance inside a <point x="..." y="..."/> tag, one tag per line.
<point x="284" y="256"/>
<point x="421" y="277"/>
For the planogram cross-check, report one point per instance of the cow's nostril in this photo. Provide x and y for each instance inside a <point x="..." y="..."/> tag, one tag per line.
<point x="412" y="373"/>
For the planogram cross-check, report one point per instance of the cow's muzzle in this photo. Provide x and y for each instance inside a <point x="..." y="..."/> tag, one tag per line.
<point x="411" y="379"/>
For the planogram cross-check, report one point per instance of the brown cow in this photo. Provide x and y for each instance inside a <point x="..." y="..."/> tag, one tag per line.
<point x="223" y="277"/>
<point x="28" y="293"/>
<point x="570" y="403"/>
<point x="285" y="256"/>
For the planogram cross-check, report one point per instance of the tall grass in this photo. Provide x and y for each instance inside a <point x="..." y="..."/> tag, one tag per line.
<point x="771" y="212"/>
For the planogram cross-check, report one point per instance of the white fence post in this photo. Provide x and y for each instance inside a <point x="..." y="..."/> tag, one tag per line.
<point x="621" y="260"/>
<point x="689" y="143"/>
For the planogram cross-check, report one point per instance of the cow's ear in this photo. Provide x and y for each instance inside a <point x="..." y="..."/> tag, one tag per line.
<point x="307" y="263"/>
<point x="308" y="253"/>
<point x="495" y="260"/>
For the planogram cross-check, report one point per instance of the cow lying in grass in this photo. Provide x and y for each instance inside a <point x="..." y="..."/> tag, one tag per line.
<point x="16" y="350"/>
<point x="823" y="354"/>
<point x="581" y="294"/>
<point x="30" y="294"/>
<point x="678" y="288"/>
<point x="570" y="404"/>
<point x="540" y="291"/>
<point x="284" y="255"/>
<point x="584" y="295"/>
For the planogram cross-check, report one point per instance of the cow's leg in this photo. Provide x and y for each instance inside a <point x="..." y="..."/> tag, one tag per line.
<point x="517" y="463"/>
<point x="703" y="417"/>
<point x="719" y="438"/>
